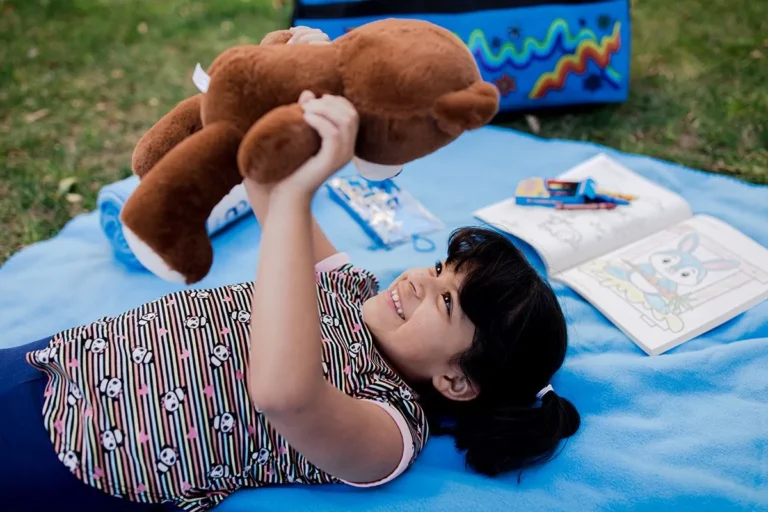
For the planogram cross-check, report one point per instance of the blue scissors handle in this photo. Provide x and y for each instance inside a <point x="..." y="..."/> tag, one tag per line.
<point x="427" y="246"/>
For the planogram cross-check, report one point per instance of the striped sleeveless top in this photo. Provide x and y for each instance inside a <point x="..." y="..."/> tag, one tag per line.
<point x="152" y="405"/>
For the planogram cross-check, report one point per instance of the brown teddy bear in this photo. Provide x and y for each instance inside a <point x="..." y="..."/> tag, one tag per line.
<point x="415" y="85"/>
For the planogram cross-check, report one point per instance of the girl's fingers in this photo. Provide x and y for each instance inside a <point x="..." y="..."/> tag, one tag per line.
<point x="338" y="112"/>
<point x="297" y="33"/>
<point x="344" y="115"/>
<point x="326" y="108"/>
<point x="305" y="97"/>
<point x="336" y="109"/>
<point x="342" y="128"/>
<point x="312" y="37"/>
<point x="344" y="104"/>
<point x="328" y="132"/>
<point x="344" y="124"/>
<point x="307" y="35"/>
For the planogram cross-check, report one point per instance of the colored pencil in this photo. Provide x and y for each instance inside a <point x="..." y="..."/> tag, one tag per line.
<point x="587" y="206"/>
<point x="620" y="195"/>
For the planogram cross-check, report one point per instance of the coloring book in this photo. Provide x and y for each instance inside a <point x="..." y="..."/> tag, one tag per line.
<point x="660" y="273"/>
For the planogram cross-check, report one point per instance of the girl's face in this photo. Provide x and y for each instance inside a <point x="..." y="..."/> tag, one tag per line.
<point x="419" y="327"/>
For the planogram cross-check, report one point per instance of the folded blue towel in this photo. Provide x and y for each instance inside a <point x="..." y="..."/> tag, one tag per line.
<point x="112" y="198"/>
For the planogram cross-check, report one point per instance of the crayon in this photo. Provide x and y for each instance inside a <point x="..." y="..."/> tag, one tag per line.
<point x="620" y="195"/>
<point x="587" y="206"/>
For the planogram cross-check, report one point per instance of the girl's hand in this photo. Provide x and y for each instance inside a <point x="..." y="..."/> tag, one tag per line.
<point x="308" y="35"/>
<point x="258" y="194"/>
<point x="336" y="121"/>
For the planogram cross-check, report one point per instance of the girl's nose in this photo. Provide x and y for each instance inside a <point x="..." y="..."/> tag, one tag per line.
<point x="420" y="284"/>
<point x="415" y="287"/>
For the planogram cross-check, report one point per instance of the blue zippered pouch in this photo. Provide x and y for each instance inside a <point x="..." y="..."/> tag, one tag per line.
<point x="389" y="214"/>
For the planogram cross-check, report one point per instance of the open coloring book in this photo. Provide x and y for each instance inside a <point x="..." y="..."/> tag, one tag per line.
<point x="660" y="273"/>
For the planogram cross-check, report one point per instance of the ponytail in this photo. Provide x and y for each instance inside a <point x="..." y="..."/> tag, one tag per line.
<point x="501" y="437"/>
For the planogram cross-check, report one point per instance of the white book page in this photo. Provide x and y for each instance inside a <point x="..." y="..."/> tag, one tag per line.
<point x="676" y="284"/>
<point x="567" y="238"/>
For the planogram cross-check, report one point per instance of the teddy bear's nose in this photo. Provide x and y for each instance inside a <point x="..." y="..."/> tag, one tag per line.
<point x="376" y="172"/>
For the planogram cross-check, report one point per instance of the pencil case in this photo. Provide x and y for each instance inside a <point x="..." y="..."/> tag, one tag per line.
<point x="388" y="214"/>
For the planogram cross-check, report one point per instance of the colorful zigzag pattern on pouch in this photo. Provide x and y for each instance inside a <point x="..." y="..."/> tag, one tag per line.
<point x="558" y="39"/>
<point x="587" y="50"/>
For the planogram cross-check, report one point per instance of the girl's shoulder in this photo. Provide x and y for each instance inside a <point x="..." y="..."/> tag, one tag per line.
<point x="338" y="275"/>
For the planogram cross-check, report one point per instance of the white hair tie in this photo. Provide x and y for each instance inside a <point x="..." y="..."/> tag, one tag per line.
<point x="544" y="391"/>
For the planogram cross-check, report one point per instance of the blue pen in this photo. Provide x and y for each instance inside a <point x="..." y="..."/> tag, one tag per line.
<point x="610" y="199"/>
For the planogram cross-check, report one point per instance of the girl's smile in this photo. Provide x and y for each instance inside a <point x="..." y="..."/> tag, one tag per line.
<point x="397" y="305"/>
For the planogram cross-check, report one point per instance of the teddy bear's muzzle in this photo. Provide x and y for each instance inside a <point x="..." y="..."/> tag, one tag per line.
<point x="376" y="172"/>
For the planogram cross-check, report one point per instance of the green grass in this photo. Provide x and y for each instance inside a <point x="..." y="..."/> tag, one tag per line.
<point x="82" y="80"/>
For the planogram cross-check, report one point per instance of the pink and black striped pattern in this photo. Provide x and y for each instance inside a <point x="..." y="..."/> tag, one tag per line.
<point x="153" y="406"/>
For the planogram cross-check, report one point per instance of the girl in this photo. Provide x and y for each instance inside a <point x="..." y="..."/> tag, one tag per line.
<point x="308" y="375"/>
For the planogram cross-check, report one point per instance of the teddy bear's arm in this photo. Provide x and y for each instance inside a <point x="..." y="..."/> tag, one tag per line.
<point x="174" y="127"/>
<point x="263" y="156"/>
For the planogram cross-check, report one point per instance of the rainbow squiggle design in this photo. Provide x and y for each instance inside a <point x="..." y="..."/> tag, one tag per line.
<point x="558" y="39"/>
<point x="600" y="53"/>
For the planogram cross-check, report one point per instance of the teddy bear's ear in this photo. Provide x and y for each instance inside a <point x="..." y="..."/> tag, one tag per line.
<point x="468" y="109"/>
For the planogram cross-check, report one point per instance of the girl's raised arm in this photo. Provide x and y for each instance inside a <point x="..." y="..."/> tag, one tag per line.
<point x="353" y="440"/>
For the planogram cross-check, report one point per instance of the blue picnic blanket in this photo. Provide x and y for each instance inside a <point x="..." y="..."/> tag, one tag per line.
<point x="685" y="430"/>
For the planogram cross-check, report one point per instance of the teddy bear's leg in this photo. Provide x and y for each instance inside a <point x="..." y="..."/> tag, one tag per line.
<point x="277" y="144"/>
<point x="174" y="127"/>
<point x="164" y="220"/>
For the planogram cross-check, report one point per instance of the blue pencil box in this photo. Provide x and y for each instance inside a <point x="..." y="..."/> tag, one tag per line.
<point x="539" y="53"/>
<point x="389" y="214"/>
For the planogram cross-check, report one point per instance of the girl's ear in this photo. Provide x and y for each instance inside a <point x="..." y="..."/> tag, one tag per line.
<point x="468" y="109"/>
<point x="455" y="387"/>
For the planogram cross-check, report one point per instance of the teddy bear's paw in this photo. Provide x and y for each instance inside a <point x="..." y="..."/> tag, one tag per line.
<point x="186" y="260"/>
<point x="151" y="260"/>
<point x="277" y="145"/>
<point x="168" y="239"/>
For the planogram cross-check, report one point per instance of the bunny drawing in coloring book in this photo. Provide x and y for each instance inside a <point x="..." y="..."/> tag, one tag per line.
<point x="660" y="280"/>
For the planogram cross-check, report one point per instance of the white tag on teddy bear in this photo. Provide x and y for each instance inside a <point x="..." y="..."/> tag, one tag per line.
<point x="201" y="78"/>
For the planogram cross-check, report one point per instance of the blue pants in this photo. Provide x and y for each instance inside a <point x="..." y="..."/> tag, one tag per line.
<point x="31" y="475"/>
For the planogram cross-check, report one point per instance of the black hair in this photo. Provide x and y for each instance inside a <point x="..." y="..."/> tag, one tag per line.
<point x="520" y="341"/>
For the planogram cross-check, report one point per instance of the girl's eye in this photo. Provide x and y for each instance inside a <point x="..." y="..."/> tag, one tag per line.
<point x="438" y="267"/>
<point x="448" y="299"/>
